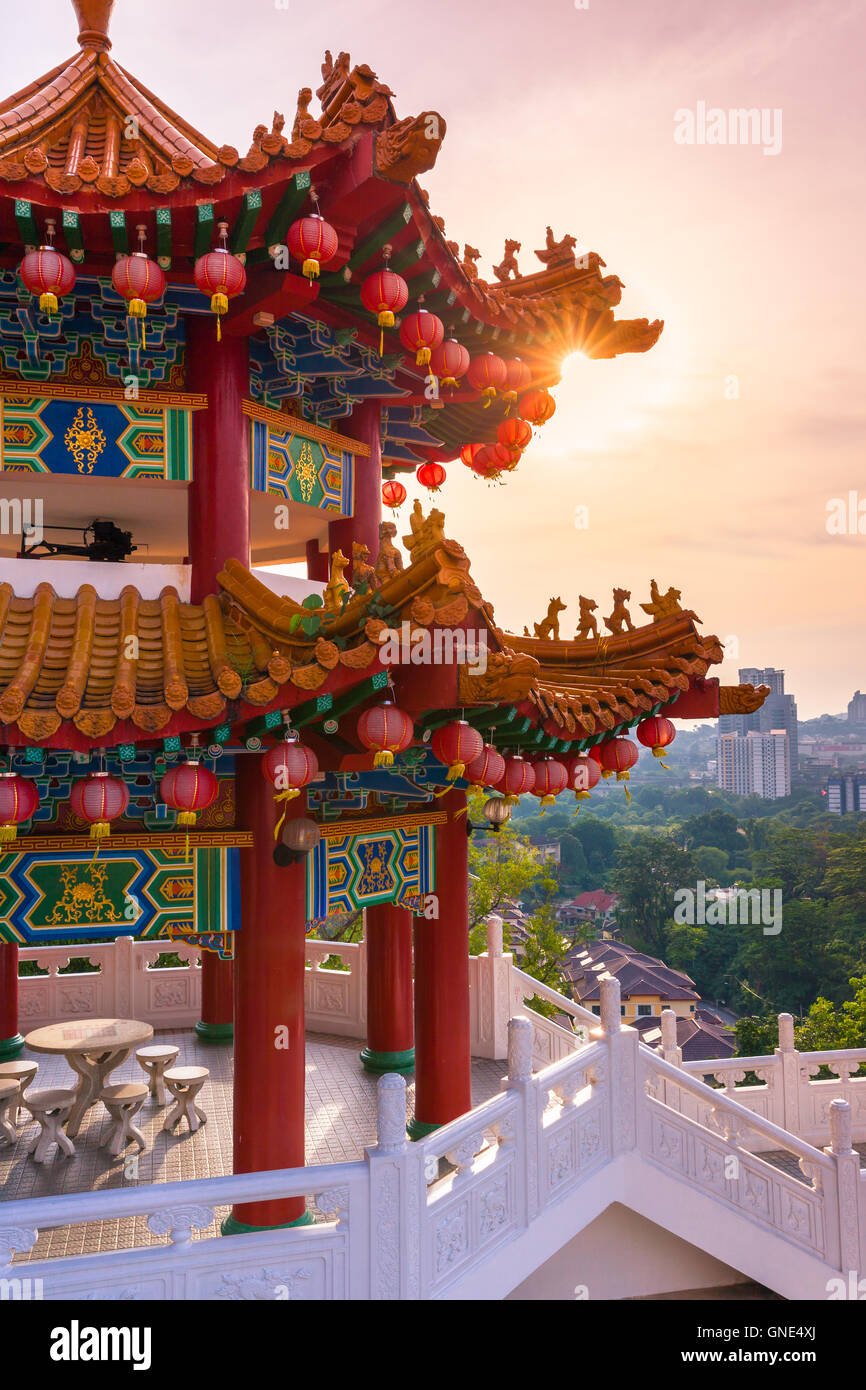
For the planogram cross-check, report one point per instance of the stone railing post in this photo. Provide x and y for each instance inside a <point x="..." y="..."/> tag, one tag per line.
<point x="491" y="979"/>
<point x="528" y="1123"/>
<point x="847" y="1162"/>
<point x="397" y="1199"/>
<point x="672" y="1053"/>
<point x="670" y="1049"/>
<point x="120" y="961"/>
<point x="622" y="1045"/>
<point x="787" y="1103"/>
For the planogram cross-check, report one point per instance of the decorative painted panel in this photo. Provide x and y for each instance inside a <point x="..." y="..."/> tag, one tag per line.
<point x="95" y="438"/>
<point x="300" y="469"/>
<point x="51" y="896"/>
<point x="354" y="871"/>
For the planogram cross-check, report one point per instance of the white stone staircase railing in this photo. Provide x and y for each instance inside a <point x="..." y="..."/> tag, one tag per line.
<point x="474" y="1208"/>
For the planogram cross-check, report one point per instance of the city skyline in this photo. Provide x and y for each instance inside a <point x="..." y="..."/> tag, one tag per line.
<point x="726" y="496"/>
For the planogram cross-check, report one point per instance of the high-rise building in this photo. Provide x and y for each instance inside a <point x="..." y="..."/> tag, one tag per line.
<point x="846" y="793"/>
<point x="755" y="764"/>
<point x="857" y="709"/>
<point x="779" y="711"/>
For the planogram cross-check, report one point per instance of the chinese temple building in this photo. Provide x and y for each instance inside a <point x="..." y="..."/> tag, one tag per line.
<point x="214" y="360"/>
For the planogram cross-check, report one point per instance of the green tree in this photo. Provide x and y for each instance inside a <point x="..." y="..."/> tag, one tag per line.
<point x="649" y="870"/>
<point x="757" y="1035"/>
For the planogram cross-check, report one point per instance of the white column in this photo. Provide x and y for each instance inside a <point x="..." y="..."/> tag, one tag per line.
<point x="848" y="1187"/>
<point x="788" y="1113"/>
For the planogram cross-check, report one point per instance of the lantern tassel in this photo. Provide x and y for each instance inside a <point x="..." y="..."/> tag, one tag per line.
<point x="422" y="357"/>
<point x="288" y="795"/>
<point x="99" y="831"/>
<point x="489" y="394"/>
<point x="48" y="303"/>
<point x="384" y="758"/>
<point x="8" y="833"/>
<point x="456" y="770"/>
<point x="310" y="268"/>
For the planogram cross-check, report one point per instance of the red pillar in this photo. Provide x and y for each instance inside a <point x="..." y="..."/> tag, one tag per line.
<point x="443" y="1066"/>
<point x="318" y="566"/>
<point x="390" y="1030"/>
<point x="219" y="529"/>
<point x="11" y="1041"/>
<point x="365" y="425"/>
<point x="269" y="1005"/>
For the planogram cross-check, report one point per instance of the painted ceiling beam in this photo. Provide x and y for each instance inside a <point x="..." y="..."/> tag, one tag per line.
<point x="26" y="223"/>
<point x="386" y="231"/>
<point x="245" y="221"/>
<point x="287" y="209"/>
<point x="204" y="229"/>
<point x="163" y="238"/>
<point x="73" y="236"/>
<point x="119" y="238"/>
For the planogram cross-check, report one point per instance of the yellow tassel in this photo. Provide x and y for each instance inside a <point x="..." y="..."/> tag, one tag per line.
<point x="284" y="796"/>
<point x="219" y="329"/>
<point x="381" y="341"/>
<point x="456" y="770"/>
<point x="48" y="303"/>
<point x="310" y="268"/>
<point x="606" y="772"/>
<point x="186" y="817"/>
<point x="422" y="357"/>
<point x="137" y="309"/>
<point x="511" y="799"/>
<point x="384" y="758"/>
<point x="628" y="796"/>
<point x="489" y="394"/>
<point x="386" y="318"/>
<point x="509" y="398"/>
<point x="219" y="304"/>
<point x="8" y="833"/>
<point x="449" y="381"/>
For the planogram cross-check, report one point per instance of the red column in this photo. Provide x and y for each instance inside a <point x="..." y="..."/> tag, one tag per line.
<point x="443" y="1067"/>
<point x="11" y="1041"/>
<point x="365" y="425"/>
<point x="317" y="562"/>
<point x="219" y="529"/>
<point x="390" y="1030"/>
<point x="269" y="1005"/>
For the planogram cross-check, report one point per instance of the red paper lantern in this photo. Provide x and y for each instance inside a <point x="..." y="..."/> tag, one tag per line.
<point x="387" y="730"/>
<point x="384" y="293"/>
<point x="19" y="798"/>
<point x="468" y="453"/>
<point x="139" y="281"/>
<point x="514" y="433"/>
<point x="393" y="493"/>
<point x="584" y="773"/>
<point x="595" y="753"/>
<point x="449" y="361"/>
<point x="99" y="799"/>
<point x="487" y="770"/>
<point x="48" y="273"/>
<point x="314" y="242"/>
<point x="537" y="406"/>
<point x="490" y="460"/>
<point x="617" y="756"/>
<point x="517" y="378"/>
<point x="188" y="788"/>
<point x="487" y="374"/>
<point x="656" y="733"/>
<point x="551" y="778"/>
<point x="421" y="333"/>
<point x="431" y="476"/>
<point x="457" y="744"/>
<point x="221" y="275"/>
<point x="519" y="777"/>
<point x="289" y="767"/>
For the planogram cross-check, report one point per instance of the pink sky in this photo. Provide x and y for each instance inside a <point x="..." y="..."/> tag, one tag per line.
<point x="565" y="115"/>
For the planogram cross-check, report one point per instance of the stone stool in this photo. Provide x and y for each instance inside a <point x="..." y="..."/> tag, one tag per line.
<point x="22" y="1072"/>
<point x="185" y="1084"/>
<point x="122" y="1102"/>
<point x="154" y="1060"/>
<point x="8" y="1107"/>
<point x="50" y="1110"/>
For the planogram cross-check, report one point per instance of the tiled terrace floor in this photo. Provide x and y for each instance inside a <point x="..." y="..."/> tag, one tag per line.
<point x="341" y="1122"/>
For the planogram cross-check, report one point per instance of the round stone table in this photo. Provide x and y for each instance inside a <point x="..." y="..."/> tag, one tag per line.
<point x="93" y="1047"/>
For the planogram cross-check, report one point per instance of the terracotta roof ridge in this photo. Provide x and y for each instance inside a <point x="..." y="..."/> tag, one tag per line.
<point x="164" y="122"/>
<point x="44" y="102"/>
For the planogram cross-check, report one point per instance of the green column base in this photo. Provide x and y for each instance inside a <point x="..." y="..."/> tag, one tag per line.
<point x="382" y="1062"/>
<point x="233" y="1227"/>
<point x="215" y="1032"/>
<point x="419" y="1129"/>
<point x="11" y="1047"/>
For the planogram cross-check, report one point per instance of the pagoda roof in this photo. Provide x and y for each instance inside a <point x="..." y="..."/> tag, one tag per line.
<point x="71" y="676"/>
<point x="67" y="149"/>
